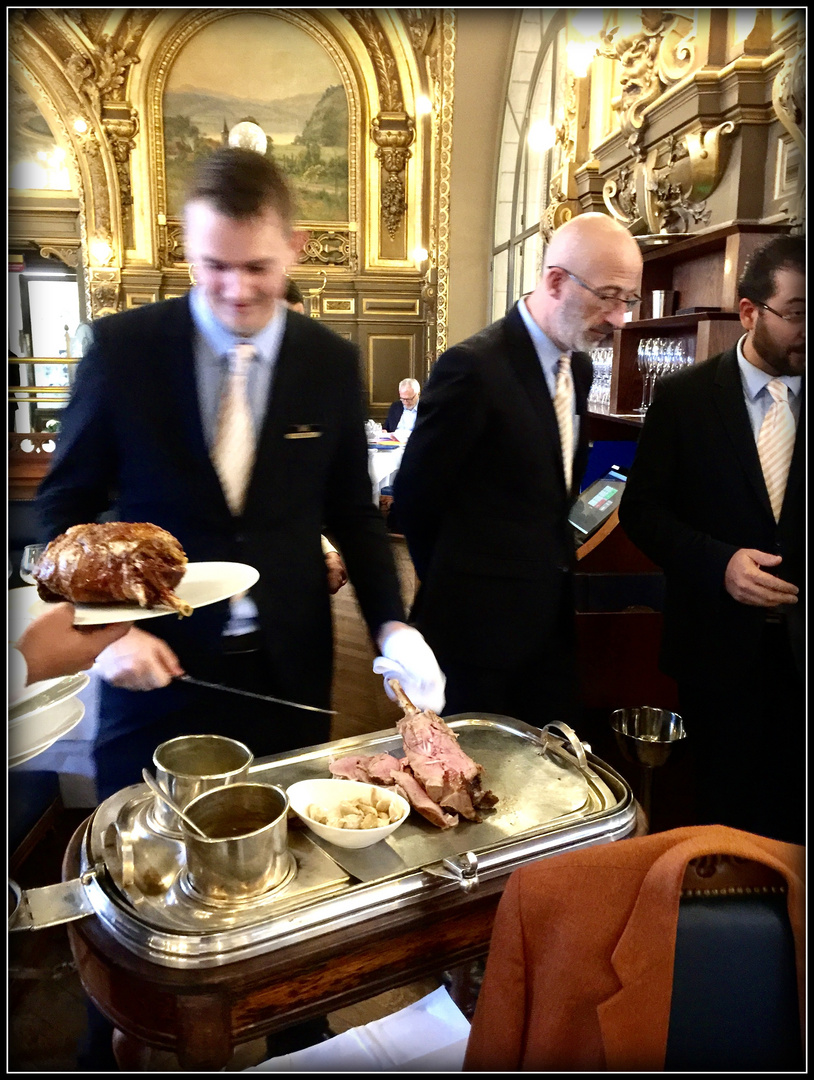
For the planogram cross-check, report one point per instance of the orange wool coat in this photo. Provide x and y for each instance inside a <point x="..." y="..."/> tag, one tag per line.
<point x="580" y="969"/>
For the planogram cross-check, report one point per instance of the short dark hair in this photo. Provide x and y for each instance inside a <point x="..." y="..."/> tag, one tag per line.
<point x="781" y="253"/>
<point x="242" y="183"/>
<point x="293" y="293"/>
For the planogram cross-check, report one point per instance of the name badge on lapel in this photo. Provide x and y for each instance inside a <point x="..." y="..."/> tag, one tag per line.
<point x="302" y="431"/>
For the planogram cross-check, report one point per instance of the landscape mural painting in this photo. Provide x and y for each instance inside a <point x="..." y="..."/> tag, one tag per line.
<point x="280" y="79"/>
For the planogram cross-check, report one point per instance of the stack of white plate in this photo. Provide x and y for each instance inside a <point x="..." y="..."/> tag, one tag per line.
<point x="42" y="713"/>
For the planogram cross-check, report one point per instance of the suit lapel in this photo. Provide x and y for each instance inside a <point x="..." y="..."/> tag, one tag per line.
<point x="287" y="403"/>
<point x="525" y="363"/>
<point x="178" y="368"/>
<point x="729" y="403"/>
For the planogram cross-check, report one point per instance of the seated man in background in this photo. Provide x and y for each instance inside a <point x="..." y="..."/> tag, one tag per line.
<point x="402" y="413"/>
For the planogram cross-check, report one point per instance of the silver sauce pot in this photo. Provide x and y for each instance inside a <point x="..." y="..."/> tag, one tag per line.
<point x="245" y="852"/>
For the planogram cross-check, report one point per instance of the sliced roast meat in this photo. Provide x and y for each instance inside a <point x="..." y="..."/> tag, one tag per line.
<point x="436" y="777"/>
<point x="417" y="797"/>
<point x="373" y="769"/>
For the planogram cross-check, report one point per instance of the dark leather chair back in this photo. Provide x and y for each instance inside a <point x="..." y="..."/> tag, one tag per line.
<point x="735" y="1003"/>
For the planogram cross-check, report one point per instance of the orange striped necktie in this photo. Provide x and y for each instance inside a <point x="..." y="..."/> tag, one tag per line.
<point x="775" y="444"/>
<point x="234" y="445"/>
<point x="564" y="409"/>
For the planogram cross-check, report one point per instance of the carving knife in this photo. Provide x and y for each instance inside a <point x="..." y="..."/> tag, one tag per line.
<point x="249" y="693"/>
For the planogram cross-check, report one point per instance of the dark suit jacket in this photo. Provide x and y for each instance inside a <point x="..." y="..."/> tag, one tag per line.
<point x="580" y="970"/>
<point x="482" y="499"/>
<point x="132" y="439"/>
<point x="695" y="495"/>
<point x="393" y="416"/>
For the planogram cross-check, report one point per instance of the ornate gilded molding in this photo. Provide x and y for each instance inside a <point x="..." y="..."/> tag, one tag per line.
<point x="392" y="129"/>
<point x="789" y="103"/>
<point x="66" y="254"/>
<point x="667" y="192"/>
<point x="105" y="289"/>
<point x="440" y="230"/>
<point x="569" y="137"/>
<point x="324" y="247"/>
<point x="393" y="133"/>
<point x="331" y="247"/>
<point x="100" y="76"/>
<point x="367" y="26"/>
<point x="652" y="59"/>
<point x="121" y="133"/>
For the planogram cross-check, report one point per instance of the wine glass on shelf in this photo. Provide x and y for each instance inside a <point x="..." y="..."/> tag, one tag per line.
<point x="658" y="360"/>
<point x="28" y="563"/>
<point x="643" y="360"/>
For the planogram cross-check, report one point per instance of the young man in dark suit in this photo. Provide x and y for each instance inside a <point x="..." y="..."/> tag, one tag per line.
<point x="484" y="487"/>
<point x="139" y="441"/>
<point x="697" y="503"/>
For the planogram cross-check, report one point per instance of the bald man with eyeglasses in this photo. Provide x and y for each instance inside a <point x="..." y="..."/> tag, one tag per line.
<point x="716" y="496"/>
<point x="491" y="470"/>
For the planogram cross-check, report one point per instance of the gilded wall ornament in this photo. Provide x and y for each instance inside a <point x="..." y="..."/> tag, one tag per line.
<point x="660" y="54"/>
<point x="667" y="191"/>
<point x="393" y="133"/>
<point x="789" y="102"/>
<point x="329" y="247"/>
<point x="121" y="135"/>
<point x="67" y="255"/>
<point x="367" y="26"/>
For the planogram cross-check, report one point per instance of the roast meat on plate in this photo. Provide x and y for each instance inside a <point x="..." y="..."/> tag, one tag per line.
<point x="113" y="562"/>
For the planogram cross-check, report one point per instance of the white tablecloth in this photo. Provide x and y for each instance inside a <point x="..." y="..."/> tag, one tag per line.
<point x="383" y="466"/>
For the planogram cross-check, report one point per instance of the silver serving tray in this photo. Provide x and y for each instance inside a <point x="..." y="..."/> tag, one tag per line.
<point x="554" y="795"/>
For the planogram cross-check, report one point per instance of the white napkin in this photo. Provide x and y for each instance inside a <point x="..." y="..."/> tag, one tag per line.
<point x="434" y="1025"/>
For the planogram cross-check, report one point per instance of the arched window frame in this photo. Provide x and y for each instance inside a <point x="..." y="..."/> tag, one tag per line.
<point x="535" y="92"/>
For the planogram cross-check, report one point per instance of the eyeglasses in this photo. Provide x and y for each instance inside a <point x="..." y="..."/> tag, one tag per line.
<point x="629" y="303"/>
<point x="793" y="316"/>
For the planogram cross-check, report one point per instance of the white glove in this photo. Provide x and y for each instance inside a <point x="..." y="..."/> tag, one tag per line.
<point x="407" y="657"/>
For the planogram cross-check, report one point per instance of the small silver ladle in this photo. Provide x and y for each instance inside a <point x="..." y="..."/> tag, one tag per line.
<point x="156" y="789"/>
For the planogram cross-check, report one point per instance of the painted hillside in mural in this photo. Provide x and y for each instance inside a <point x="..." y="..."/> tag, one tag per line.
<point x="277" y="78"/>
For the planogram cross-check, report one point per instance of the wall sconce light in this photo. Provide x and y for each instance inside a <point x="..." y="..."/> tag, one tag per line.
<point x="101" y="252"/>
<point x="584" y="28"/>
<point x="419" y="256"/>
<point x="542" y="136"/>
<point x="423" y="105"/>
<point x="578" y="57"/>
<point x="80" y="126"/>
<point x="248" y="136"/>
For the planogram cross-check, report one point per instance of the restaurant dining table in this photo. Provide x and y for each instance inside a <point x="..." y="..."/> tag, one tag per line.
<point x="383" y="461"/>
<point x="200" y="996"/>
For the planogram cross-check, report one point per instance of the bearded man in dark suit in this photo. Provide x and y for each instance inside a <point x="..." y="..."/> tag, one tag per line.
<point x="138" y="444"/>
<point x="484" y="488"/>
<point x="697" y="503"/>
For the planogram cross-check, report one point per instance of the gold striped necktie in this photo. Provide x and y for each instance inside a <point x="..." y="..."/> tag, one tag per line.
<point x="233" y="449"/>
<point x="775" y="444"/>
<point x="564" y="409"/>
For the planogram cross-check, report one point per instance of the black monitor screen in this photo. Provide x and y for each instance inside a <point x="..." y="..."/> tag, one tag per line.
<point x="596" y="503"/>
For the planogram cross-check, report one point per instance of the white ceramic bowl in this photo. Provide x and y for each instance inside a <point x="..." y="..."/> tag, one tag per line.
<point x="329" y="794"/>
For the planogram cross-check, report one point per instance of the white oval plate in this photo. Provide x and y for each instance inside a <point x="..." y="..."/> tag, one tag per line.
<point x="203" y="583"/>
<point x="26" y="741"/>
<point x="42" y="695"/>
